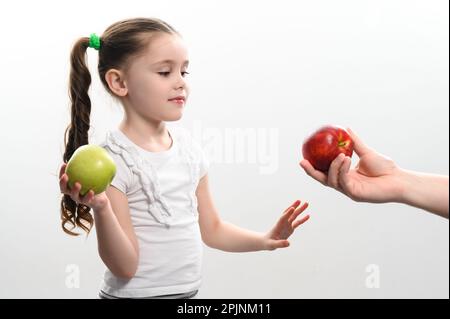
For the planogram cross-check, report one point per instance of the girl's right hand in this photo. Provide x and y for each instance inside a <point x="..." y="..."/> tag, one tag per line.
<point x="96" y="202"/>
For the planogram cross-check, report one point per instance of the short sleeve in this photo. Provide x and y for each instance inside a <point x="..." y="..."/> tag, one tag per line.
<point x="203" y="160"/>
<point x="123" y="178"/>
<point x="204" y="163"/>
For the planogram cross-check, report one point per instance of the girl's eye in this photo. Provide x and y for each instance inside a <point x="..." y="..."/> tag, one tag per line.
<point x="167" y="73"/>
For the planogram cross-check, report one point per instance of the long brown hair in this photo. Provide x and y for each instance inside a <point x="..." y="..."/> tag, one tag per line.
<point x="120" y="42"/>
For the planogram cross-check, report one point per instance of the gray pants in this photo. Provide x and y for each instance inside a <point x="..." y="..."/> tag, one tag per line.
<point x="187" y="295"/>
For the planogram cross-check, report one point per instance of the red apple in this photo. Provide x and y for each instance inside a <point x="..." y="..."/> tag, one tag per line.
<point x="325" y="144"/>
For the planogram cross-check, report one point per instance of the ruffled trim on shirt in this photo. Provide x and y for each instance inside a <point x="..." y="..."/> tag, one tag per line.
<point x="157" y="205"/>
<point x="187" y="148"/>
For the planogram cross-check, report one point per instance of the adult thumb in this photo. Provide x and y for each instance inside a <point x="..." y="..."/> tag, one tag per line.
<point x="358" y="145"/>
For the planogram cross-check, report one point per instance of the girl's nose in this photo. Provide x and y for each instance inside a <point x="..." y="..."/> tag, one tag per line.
<point x="181" y="82"/>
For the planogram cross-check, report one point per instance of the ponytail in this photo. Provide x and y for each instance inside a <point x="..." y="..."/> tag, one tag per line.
<point x="76" y="133"/>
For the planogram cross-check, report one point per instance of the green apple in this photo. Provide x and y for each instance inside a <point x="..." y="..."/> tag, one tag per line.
<point x="92" y="167"/>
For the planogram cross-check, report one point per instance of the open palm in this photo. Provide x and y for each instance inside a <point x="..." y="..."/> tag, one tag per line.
<point x="286" y="225"/>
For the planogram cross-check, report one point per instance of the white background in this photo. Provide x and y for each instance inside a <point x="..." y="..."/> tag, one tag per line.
<point x="380" y="67"/>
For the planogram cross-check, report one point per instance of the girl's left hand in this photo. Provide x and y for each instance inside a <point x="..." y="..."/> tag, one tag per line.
<point x="288" y="222"/>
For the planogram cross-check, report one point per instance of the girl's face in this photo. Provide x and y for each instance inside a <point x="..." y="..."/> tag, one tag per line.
<point x="156" y="77"/>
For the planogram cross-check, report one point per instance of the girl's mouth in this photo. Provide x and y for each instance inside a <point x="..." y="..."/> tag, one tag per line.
<point x="179" y="101"/>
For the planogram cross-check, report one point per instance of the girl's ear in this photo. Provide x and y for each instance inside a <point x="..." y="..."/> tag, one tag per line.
<point x="116" y="83"/>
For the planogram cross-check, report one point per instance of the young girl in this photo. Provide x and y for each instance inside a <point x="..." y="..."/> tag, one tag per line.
<point x="152" y="219"/>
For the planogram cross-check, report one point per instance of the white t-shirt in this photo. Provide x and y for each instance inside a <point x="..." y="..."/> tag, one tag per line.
<point x="160" y="187"/>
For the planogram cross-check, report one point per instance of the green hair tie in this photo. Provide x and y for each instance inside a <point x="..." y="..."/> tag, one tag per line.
<point x="94" y="41"/>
